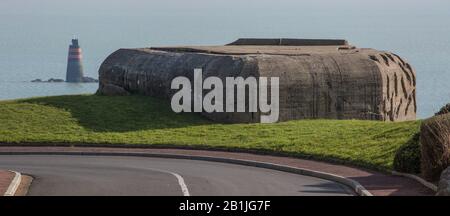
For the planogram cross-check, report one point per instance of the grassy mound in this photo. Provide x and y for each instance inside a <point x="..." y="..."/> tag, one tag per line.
<point x="142" y="120"/>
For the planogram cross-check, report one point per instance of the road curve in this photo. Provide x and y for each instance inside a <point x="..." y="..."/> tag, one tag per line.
<point x="114" y="175"/>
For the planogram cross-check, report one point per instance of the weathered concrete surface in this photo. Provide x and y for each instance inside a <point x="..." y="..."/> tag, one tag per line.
<point x="288" y="42"/>
<point x="317" y="79"/>
<point x="75" y="72"/>
<point x="444" y="183"/>
<point x="109" y="89"/>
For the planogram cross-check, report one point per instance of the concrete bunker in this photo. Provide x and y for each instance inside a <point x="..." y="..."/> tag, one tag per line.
<point x="319" y="79"/>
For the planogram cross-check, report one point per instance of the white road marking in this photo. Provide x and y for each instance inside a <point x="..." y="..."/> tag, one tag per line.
<point x="183" y="186"/>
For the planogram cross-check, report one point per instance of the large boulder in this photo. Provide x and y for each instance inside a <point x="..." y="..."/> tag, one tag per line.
<point x="444" y="183"/>
<point x="435" y="142"/>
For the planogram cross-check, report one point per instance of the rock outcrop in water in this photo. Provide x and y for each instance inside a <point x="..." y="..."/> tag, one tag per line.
<point x="53" y="80"/>
<point x="326" y="79"/>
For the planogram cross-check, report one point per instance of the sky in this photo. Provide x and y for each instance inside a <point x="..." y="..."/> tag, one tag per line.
<point x="220" y="7"/>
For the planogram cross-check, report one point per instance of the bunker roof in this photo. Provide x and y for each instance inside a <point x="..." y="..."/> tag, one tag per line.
<point x="281" y="46"/>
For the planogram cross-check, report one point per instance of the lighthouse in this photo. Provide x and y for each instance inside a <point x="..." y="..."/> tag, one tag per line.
<point x="74" y="65"/>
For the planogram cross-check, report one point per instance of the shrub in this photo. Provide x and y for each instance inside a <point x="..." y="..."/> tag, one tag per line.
<point x="435" y="142"/>
<point x="408" y="157"/>
<point x="444" y="110"/>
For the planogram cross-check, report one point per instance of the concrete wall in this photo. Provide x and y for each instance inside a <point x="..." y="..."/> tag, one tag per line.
<point x="332" y="82"/>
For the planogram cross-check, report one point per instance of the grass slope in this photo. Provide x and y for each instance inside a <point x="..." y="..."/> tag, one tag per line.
<point x="143" y="120"/>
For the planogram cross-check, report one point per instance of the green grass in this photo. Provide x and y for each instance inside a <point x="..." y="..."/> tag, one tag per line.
<point x="142" y="120"/>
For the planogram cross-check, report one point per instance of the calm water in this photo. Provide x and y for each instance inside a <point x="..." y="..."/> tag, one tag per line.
<point x="33" y="43"/>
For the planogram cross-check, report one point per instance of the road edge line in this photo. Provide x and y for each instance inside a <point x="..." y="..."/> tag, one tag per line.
<point x="354" y="185"/>
<point x="14" y="185"/>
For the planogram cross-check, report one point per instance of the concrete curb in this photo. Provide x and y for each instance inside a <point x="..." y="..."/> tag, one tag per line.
<point x="422" y="181"/>
<point x="354" y="185"/>
<point x="15" y="183"/>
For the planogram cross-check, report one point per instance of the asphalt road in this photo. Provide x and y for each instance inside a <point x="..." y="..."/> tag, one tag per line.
<point x="109" y="175"/>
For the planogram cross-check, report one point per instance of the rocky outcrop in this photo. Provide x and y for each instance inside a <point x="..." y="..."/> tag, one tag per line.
<point x="326" y="79"/>
<point x="53" y="80"/>
<point x="435" y="144"/>
<point x="444" y="183"/>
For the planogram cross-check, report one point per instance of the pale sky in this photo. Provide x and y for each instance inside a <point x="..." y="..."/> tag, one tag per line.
<point x="219" y="7"/>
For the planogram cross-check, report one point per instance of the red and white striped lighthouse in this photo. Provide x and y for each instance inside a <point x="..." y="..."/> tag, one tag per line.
<point x="74" y="63"/>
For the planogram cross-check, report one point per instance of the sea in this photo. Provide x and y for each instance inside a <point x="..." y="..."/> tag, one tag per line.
<point x="35" y="35"/>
